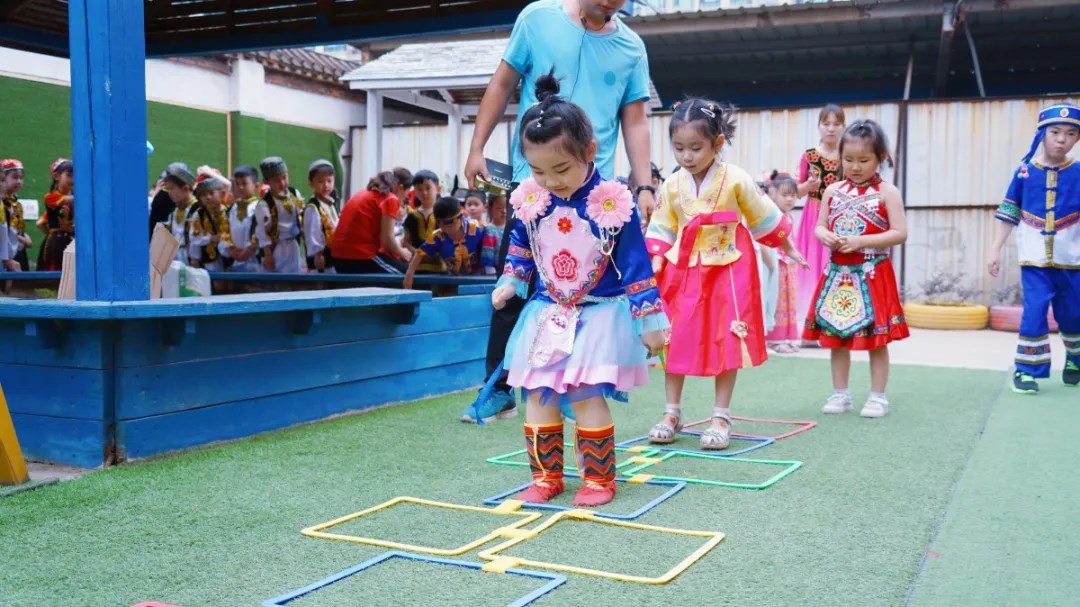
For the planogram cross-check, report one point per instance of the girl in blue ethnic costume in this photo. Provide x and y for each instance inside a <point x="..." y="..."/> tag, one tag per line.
<point x="579" y="339"/>
<point x="1043" y="205"/>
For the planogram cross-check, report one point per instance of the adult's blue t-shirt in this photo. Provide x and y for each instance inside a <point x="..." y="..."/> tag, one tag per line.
<point x="601" y="72"/>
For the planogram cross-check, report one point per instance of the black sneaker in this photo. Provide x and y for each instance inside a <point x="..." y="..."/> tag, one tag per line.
<point x="1071" y="374"/>
<point x="1024" y="383"/>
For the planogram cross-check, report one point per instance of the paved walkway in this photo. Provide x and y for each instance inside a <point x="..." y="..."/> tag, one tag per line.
<point x="993" y="350"/>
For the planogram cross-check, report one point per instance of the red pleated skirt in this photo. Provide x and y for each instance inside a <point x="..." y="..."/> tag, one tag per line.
<point x="703" y="306"/>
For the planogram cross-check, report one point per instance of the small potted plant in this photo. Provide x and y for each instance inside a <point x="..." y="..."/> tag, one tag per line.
<point x="947" y="305"/>
<point x="1008" y="309"/>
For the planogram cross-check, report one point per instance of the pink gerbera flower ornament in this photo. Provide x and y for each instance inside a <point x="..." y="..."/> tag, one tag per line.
<point x="610" y="205"/>
<point x="530" y="200"/>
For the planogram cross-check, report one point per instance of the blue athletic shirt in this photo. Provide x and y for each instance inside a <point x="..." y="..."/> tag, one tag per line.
<point x="599" y="72"/>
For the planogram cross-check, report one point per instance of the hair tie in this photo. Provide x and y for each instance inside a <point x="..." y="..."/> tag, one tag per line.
<point x="676" y="105"/>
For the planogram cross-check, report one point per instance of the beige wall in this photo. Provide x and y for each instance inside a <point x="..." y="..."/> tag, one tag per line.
<point x="961" y="155"/>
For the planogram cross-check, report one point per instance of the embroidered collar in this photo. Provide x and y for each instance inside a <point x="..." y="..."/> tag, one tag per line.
<point x="1061" y="167"/>
<point x="582" y="192"/>
<point x="875" y="180"/>
<point x="694" y="187"/>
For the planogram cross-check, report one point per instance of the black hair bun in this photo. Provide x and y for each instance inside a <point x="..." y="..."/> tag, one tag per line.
<point x="547" y="86"/>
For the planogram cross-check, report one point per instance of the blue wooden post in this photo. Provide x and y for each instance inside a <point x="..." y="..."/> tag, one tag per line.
<point x="108" y="118"/>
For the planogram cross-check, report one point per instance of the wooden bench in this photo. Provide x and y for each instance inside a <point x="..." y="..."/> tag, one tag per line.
<point x="47" y="318"/>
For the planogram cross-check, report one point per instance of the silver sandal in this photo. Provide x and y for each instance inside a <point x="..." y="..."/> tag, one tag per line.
<point x="664" y="433"/>
<point x="713" y="439"/>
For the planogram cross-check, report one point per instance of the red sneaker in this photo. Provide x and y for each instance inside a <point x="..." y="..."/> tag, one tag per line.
<point x="591" y="495"/>
<point x="540" y="493"/>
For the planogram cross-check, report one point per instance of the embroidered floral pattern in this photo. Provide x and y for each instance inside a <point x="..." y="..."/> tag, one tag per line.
<point x="565" y="225"/>
<point x="517" y="251"/>
<point x="565" y="265"/>
<point x="641" y="285"/>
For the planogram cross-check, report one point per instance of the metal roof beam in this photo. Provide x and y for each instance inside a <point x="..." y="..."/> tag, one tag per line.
<point x="435" y="83"/>
<point x="948" y="28"/>
<point x="421" y="101"/>
<point x="14" y="8"/>
<point x="785" y="16"/>
<point x="800" y="45"/>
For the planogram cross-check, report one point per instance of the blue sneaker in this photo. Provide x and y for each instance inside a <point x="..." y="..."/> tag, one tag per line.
<point x="500" y="405"/>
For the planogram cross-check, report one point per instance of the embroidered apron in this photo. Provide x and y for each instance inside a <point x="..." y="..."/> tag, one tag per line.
<point x="844" y="307"/>
<point x="570" y="262"/>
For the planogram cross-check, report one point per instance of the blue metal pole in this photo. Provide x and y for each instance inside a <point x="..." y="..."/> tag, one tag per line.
<point x="108" y="118"/>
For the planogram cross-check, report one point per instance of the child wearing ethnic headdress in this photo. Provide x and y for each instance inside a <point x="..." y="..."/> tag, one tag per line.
<point x="242" y="220"/>
<point x="704" y="258"/>
<point x="457" y="242"/>
<point x="320" y="217"/>
<point x="277" y="218"/>
<point x="11" y="181"/>
<point x="857" y="303"/>
<point x="596" y="316"/>
<point x="59" y="217"/>
<point x="172" y="205"/>
<point x="209" y="238"/>
<point x="1042" y="204"/>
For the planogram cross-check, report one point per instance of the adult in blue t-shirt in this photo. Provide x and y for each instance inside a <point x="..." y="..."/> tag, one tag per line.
<point x="601" y="66"/>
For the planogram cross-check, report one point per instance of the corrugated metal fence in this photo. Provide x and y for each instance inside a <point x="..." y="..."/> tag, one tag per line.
<point x="960" y="157"/>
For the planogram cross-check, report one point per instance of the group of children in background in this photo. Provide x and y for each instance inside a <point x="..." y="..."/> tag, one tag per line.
<point x="247" y="227"/>
<point x="57" y="224"/>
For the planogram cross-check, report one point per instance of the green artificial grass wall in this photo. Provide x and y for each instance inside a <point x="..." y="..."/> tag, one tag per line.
<point x="36" y="129"/>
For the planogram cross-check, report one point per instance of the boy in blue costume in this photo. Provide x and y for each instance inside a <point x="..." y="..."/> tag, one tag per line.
<point x="1043" y="205"/>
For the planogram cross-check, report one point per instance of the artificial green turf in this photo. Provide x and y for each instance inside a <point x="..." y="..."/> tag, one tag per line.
<point x="605" y="547"/>
<point x="221" y="526"/>
<point x="402" y="582"/>
<point x="739" y="470"/>
<point x="424" y="526"/>
<point x="1011" y="533"/>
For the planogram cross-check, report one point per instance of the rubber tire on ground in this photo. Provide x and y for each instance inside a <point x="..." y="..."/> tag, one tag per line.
<point x="1007" y="318"/>
<point x="968" y="317"/>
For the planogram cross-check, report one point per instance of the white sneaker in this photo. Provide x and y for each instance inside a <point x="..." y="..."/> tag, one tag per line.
<point x="875" y="407"/>
<point x="837" y="403"/>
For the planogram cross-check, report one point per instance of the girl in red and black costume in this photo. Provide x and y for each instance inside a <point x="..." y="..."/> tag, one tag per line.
<point x="857" y="304"/>
<point x="819" y="168"/>
<point x="59" y="216"/>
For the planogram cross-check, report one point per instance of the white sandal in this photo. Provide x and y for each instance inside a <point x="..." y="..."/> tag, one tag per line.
<point x="664" y="433"/>
<point x="717" y="439"/>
